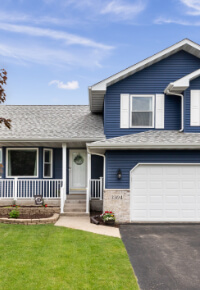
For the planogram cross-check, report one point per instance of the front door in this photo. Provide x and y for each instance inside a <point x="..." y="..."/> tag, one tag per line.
<point x="77" y="171"/>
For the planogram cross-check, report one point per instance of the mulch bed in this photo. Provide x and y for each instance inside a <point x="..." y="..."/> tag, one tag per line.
<point x="29" y="216"/>
<point x="97" y="217"/>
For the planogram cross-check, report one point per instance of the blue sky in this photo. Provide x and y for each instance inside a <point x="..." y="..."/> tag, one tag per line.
<point x="54" y="49"/>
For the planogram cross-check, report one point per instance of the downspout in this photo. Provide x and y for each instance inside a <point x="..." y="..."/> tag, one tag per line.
<point x="167" y="92"/>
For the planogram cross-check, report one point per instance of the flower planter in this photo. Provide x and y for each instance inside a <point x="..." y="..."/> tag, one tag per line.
<point x="109" y="223"/>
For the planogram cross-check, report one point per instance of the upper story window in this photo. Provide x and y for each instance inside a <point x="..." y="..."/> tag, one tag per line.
<point x="48" y="163"/>
<point x="22" y="162"/>
<point x="142" y="111"/>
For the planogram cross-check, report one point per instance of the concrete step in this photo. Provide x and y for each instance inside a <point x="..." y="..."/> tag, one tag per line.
<point x="75" y="201"/>
<point x="68" y="208"/>
<point x="76" y="196"/>
<point x="74" y="214"/>
<point x="74" y="210"/>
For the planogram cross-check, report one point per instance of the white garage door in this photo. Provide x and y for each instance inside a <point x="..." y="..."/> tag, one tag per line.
<point x="165" y="193"/>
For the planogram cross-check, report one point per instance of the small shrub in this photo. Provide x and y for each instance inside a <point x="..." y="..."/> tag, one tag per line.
<point x="14" y="214"/>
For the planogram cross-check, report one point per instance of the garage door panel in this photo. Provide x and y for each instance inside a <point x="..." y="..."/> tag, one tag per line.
<point x="172" y="199"/>
<point x="155" y="185"/>
<point x="140" y="184"/>
<point x="188" y="214"/>
<point x="142" y="214"/>
<point x="188" y="199"/>
<point x="170" y="206"/>
<point x="188" y="170"/>
<point x="156" y="213"/>
<point x="156" y="199"/>
<point x="171" y="184"/>
<point x="172" y="214"/>
<point x="165" y="193"/>
<point x="188" y="185"/>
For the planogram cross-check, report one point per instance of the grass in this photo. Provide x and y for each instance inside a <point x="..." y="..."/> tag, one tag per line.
<point x="49" y="257"/>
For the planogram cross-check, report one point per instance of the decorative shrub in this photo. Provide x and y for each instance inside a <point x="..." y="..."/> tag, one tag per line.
<point x="14" y="214"/>
<point x="108" y="216"/>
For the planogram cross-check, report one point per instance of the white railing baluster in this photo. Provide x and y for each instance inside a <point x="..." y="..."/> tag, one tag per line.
<point x="96" y="188"/>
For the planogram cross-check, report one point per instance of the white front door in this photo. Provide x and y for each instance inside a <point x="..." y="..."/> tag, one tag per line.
<point x="77" y="171"/>
<point x="168" y="192"/>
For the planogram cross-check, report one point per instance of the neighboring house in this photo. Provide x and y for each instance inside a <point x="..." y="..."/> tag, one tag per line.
<point x="137" y="145"/>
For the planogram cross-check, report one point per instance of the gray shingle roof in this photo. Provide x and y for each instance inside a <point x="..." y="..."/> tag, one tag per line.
<point x="151" y="139"/>
<point x="51" y="122"/>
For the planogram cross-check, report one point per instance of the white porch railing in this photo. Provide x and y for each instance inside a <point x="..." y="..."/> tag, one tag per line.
<point x="6" y="188"/>
<point x="96" y="188"/>
<point x="27" y="188"/>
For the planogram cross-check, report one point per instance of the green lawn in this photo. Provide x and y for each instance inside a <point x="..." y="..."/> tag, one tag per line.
<point x="49" y="257"/>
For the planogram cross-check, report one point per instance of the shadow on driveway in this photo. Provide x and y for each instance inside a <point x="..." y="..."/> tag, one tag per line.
<point x="164" y="256"/>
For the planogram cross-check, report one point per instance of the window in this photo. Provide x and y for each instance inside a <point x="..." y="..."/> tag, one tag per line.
<point x="142" y="111"/>
<point x="22" y="162"/>
<point x="48" y="163"/>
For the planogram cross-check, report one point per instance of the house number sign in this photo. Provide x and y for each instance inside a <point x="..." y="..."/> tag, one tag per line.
<point x="117" y="197"/>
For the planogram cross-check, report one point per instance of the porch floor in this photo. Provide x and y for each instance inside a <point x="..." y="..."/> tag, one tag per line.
<point x="83" y="223"/>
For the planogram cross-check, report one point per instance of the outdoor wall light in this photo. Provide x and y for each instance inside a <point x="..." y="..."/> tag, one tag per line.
<point x="119" y="174"/>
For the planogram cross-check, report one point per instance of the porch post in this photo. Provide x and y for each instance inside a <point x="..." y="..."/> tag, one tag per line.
<point x="64" y="168"/>
<point x="88" y="181"/>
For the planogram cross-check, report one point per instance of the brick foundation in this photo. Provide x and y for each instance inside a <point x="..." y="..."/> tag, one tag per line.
<point x="118" y="201"/>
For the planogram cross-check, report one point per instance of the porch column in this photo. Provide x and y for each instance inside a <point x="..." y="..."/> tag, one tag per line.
<point x="64" y="168"/>
<point x="88" y="182"/>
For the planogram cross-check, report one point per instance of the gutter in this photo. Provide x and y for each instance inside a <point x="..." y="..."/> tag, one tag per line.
<point x="144" y="146"/>
<point x="53" y="140"/>
<point x="168" y="92"/>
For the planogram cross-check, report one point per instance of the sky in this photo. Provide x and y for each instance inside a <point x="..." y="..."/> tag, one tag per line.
<point x="53" y="50"/>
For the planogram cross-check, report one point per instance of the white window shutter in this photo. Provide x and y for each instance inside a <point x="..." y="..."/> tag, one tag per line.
<point x="160" y="111"/>
<point x="124" y="111"/>
<point x="195" y="108"/>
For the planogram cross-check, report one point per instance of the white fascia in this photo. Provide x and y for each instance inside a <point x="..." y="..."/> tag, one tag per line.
<point x="142" y="146"/>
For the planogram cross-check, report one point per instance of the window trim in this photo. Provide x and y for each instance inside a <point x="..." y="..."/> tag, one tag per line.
<point x="20" y="176"/>
<point x="153" y="111"/>
<point x="51" y="150"/>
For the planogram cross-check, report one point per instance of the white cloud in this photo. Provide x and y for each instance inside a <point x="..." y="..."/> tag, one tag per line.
<point x="69" y="39"/>
<point x="193" y="5"/>
<point x="24" y="54"/>
<point x="119" y="9"/>
<point x="26" y="18"/>
<point x="123" y="9"/>
<point x="176" y="21"/>
<point x="73" y="85"/>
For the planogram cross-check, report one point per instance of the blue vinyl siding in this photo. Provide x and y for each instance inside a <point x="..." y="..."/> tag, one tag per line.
<point x="194" y="85"/>
<point x="151" y="80"/>
<point x="126" y="160"/>
<point x="96" y="166"/>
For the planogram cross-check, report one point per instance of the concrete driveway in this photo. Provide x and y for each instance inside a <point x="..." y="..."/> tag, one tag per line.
<point x="164" y="256"/>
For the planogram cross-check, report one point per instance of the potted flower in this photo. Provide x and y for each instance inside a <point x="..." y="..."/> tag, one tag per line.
<point x="108" y="217"/>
